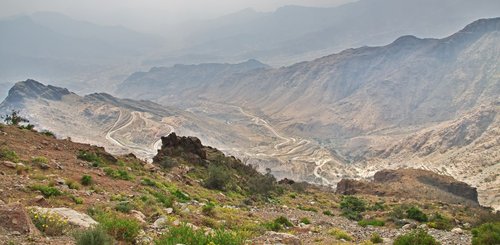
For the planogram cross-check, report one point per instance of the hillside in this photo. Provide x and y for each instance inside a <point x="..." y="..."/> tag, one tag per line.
<point x="183" y="186"/>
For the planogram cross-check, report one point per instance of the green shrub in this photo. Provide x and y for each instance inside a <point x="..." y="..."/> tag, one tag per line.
<point x="166" y="201"/>
<point x="378" y="206"/>
<point x="121" y="228"/>
<point x="309" y="209"/>
<point x="48" y="223"/>
<point x="440" y="222"/>
<point x="72" y="184"/>
<point x="416" y="214"/>
<point x="90" y="157"/>
<point x="47" y="191"/>
<point x="208" y="209"/>
<point x="86" y="180"/>
<point x="118" y="174"/>
<point x="328" y="212"/>
<point x="9" y="155"/>
<point x="77" y="200"/>
<point x="352" y="207"/>
<point x="375" y="238"/>
<point x="181" y="196"/>
<point x="278" y="224"/>
<point x="186" y="235"/>
<point x="218" y="178"/>
<point x="148" y="182"/>
<point x="340" y="234"/>
<point x="418" y="236"/>
<point x="124" y="207"/>
<point x="486" y="234"/>
<point x="48" y="133"/>
<point x="262" y="184"/>
<point x="93" y="236"/>
<point x="305" y="221"/>
<point x="372" y="222"/>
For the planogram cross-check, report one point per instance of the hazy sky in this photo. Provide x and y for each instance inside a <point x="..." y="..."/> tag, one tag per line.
<point x="148" y="15"/>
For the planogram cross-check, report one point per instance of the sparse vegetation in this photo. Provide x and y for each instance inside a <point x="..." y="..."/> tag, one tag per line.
<point x="124" y="207"/>
<point x="352" y="207"/>
<point x="48" y="223"/>
<point x="47" y="191"/>
<point x="9" y="155"/>
<point x="305" y="220"/>
<point x="340" y="234"/>
<point x="416" y="214"/>
<point x="48" y="133"/>
<point x="371" y="222"/>
<point x="86" y="180"/>
<point x="121" y="228"/>
<point x="208" y="209"/>
<point x="15" y="118"/>
<point x="376" y="238"/>
<point x="186" y="235"/>
<point x="486" y="234"/>
<point x="419" y="236"/>
<point x="440" y="222"/>
<point x="218" y="177"/>
<point x="278" y="224"/>
<point x="328" y="212"/>
<point x="90" y="157"/>
<point x="93" y="236"/>
<point x="118" y="174"/>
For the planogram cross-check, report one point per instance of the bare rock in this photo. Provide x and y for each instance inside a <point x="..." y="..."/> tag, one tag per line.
<point x="73" y="217"/>
<point x="9" y="164"/>
<point x="14" y="218"/>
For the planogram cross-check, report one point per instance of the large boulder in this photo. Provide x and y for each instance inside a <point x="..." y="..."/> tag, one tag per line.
<point x="174" y="146"/>
<point x="73" y="217"/>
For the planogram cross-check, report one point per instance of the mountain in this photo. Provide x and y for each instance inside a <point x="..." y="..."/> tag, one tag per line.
<point x="295" y="33"/>
<point x="160" y="79"/>
<point x="56" y="47"/>
<point x="359" y="102"/>
<point x="124" y="125"/>
<point x="193" y="193"/>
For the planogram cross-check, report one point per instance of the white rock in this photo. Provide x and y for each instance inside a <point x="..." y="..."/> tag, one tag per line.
<point x="457" y="230"/>
<point x="159" y="223"/>
<point x="73" y="217"/>
<point x="169" y="210"/>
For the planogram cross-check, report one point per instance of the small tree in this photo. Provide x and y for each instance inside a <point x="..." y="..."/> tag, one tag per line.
<point x="14" y="118"/>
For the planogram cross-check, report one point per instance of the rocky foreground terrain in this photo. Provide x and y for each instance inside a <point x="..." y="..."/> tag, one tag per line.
<point x="54" y="191"/>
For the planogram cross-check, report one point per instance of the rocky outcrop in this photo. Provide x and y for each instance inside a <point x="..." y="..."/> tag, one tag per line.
<point x="412" y="183"/>
<point x="174" y="146"/>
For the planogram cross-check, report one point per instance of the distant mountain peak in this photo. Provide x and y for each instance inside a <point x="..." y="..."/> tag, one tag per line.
<point x="482" y="26"/>
<point x="34" y="89"/>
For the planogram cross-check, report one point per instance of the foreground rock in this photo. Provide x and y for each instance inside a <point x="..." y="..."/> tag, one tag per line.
<point x="73" y="217"/>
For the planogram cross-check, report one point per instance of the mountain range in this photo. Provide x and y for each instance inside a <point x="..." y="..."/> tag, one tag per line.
<point x="427" y="103"/>
<point x="362" y="101"/>
<point x="295" y="33"/>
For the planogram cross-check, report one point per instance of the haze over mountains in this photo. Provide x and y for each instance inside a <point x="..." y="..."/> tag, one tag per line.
<point x="294" y="33"/>
<point x="427" y="103"/>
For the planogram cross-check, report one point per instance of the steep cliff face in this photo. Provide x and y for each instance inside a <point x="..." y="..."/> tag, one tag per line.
<point x="412" y="184"/>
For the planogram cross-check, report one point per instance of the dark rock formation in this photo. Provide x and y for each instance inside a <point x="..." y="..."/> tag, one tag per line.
<point x="174" y="146"/>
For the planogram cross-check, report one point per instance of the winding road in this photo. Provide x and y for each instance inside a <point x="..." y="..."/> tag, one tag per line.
<point x="124" y="122"/>
<point x="319" y="158"/>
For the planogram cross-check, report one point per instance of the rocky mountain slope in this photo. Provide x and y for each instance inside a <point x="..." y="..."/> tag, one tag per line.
<point x="122" y="126"/>
<point x="52" y="189"/>
<point x="436" y="97"/>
